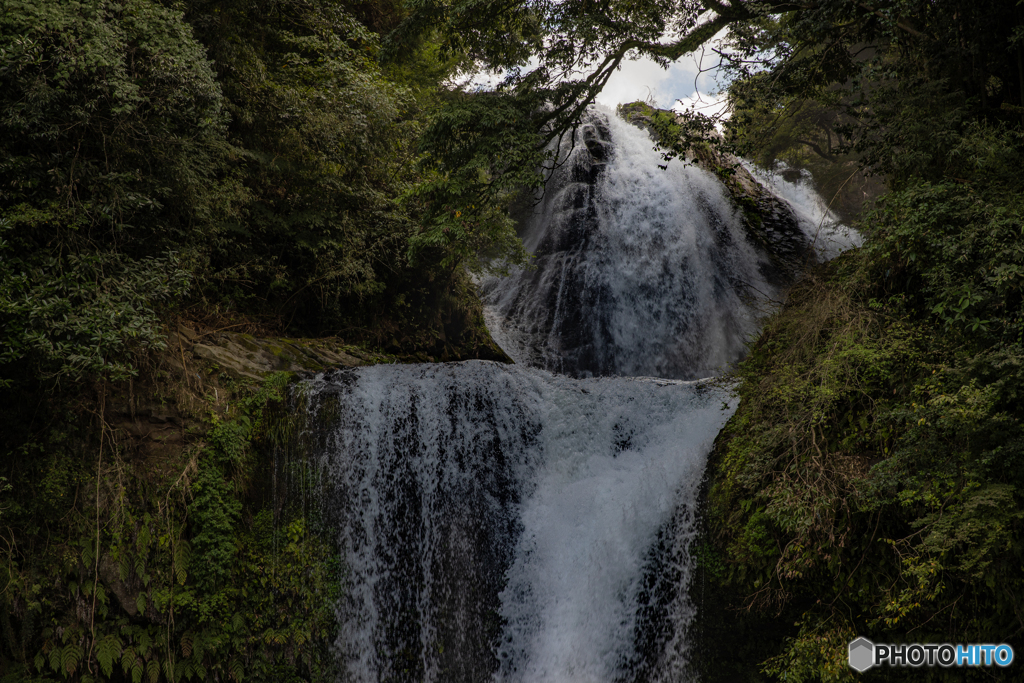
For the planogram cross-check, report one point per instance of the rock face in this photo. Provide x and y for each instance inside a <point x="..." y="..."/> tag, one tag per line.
<point x="770" y="223"/>
<point x="167" y="409"/>
<point x="166" y="412"/>
<point x="247" y="356"/>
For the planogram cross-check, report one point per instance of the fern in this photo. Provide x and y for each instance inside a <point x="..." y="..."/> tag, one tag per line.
<point x="153" y="670"/>
<point x="202" y="644"/>
<point x="128" y="659"/>
<point x="182" y="558"/>
<point x="236" y="670"/>
<point x="124" y="565"/>
<point x="144" y="537"/>
<point x="145" y="642"/>
<point x="71" y="657"/>
<point x="133" y="664"/>
<point x="108" y="649"/>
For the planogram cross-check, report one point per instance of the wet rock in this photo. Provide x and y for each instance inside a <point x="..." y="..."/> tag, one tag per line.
<point x="246" y="356"/>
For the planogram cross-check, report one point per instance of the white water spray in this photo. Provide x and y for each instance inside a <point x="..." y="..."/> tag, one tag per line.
<point x="640" y="270"/>
<point x="826" y="233"/>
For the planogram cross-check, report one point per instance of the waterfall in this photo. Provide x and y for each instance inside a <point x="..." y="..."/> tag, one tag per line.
<point x="533" y="522"/>
<point x="646" y="270"/>
<point x="503" y="521"/>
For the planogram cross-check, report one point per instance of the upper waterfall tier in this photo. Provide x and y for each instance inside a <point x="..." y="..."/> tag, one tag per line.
<point x="643" y="270"/>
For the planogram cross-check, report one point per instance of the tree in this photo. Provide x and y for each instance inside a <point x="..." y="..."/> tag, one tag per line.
<point x="111" y="139"/>
<point x="555" y="57"/>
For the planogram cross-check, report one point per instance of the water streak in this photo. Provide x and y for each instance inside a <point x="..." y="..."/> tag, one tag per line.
<point x="643" y="269"/>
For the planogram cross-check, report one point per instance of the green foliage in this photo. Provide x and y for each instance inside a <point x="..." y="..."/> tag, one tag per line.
<point x="83" y="314"/>
<point x="851" y="91"/>
<point x="465" y="194"/>
<point x="333" y="233"/>
<point x="816" y="653"/>
<point x="956" y="244"/>
<point x="321" y="142"/>
<point x="685" y="134"/>
<point x="136" y="179"/>
<point x="163" y="580"/>
<point x="111" y="117"/>
<point x="869" y="481"/>
<point x="212" y="515"/>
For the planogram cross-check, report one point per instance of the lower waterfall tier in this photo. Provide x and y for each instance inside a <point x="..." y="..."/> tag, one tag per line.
<point x="505" y="523"/>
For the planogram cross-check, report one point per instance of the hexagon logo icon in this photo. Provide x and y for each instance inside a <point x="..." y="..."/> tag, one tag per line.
<point x="862" y="654"/>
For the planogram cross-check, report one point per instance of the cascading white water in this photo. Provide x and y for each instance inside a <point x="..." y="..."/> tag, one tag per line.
<point x="825" y="232"/>
<point x="643" y="269"/>
<point x="502" y="523"/>
<point x="640" y="271"/>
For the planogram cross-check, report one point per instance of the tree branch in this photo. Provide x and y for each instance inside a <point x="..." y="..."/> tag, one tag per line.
<point x="899" y="24"/>
<point x="818" y="150"/>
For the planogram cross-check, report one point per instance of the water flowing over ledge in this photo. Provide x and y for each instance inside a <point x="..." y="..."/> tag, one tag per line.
<point x="502" y="521"/>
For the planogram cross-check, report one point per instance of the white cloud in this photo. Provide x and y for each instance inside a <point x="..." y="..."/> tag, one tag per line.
<point x="639" y="79"/>
<point x="709" y="105"/>
<point x="643" y="79"/>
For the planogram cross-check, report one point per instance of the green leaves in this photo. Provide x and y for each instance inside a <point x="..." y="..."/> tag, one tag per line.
<point x="184" y="584"/>
<point x="213" y="514"/>
<point x="110" y="117"/>
<point x="182" y="560"/>
<point x="467" y="191"/>
<point x="108" y="650"/>
<point x="958" y="250"/>
<point x="871" y="477"/>
<point x="83" y="315"/>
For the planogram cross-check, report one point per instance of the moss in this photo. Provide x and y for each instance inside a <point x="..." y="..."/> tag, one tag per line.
<point x="138" y="547"/>
<point x="247" y="341"/>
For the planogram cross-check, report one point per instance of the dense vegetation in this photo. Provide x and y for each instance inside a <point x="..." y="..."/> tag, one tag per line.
<point x="308" y="167"/>
<point x="241" y="158"/>
<point x="227" y="164"/>
<point x="870" y="482"/>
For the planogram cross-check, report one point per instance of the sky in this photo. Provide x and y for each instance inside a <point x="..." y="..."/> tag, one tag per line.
<point x="643" y="79"/>
<point x="681" y="85"/>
